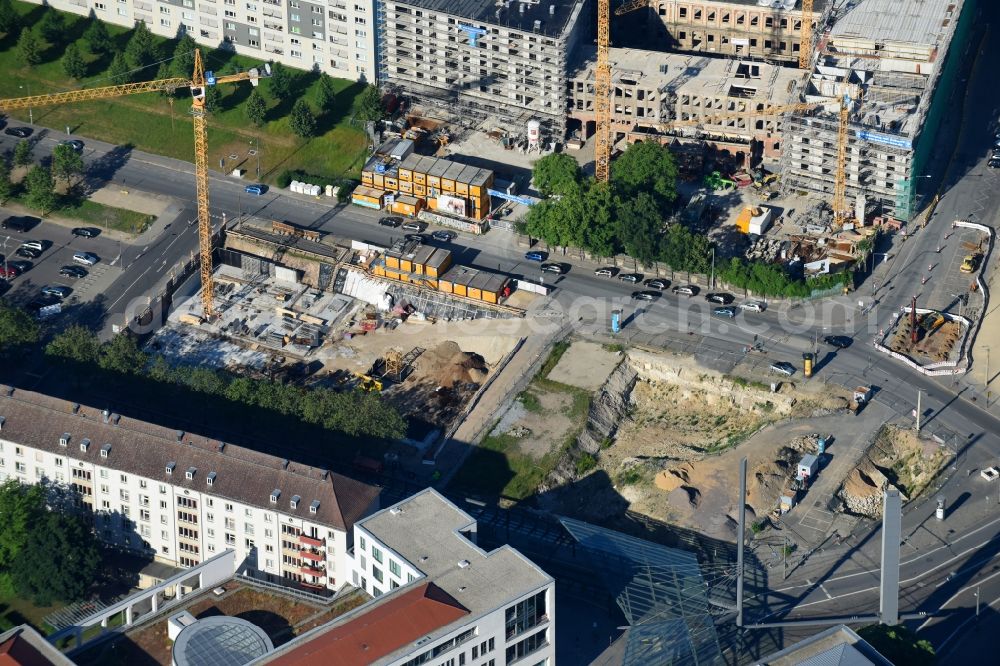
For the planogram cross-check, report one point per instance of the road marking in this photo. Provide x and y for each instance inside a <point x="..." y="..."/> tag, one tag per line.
<point x="952" y="598"/>
<point x="828" y="595"/>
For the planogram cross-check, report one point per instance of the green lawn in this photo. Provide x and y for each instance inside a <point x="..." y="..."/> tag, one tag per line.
<point x="151" y="123"/>
<point x="99" y="215"/>
<point x="15" y="611"/>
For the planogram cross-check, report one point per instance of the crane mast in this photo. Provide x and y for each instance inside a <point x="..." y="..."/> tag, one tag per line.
<point x="805" y="34"/>
<point x="602" y="94"/>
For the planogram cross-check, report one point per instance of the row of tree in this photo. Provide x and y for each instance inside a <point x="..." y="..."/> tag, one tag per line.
<point x="48" y="549"/>
<point x="354" y="413"/>
<point x="39" y="185"/>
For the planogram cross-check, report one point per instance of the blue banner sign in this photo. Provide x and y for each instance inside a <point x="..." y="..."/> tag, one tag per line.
<point x="886" y="139"/>
<point x="511" y="197"/>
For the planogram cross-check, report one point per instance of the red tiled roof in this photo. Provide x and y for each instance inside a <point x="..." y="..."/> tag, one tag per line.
<point x="17" y="651"/>
<point x="381" y="631"/>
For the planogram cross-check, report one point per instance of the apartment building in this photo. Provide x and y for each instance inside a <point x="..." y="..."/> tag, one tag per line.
<point x="438" y="597"/>
<point x="770" y="29"/>
<point x="336" y="36"/>
<point x="672" y="94"/>
<point x="479" y="62"/>
<point x="182" y="497"/>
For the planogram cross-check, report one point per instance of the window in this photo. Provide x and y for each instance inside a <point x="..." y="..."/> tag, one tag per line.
<point x="364" y="544"/>
<point x="530" y="644"/>
<point x="59" y="462"/>
<point x="230" y="524"/>
<point x="210" y="533"/>
<point x="230" y="539"/>
<point x="123" y="494"/>
<point x="144" y="514"/>
<point x="377" y="574"/>
<point x="250" y="544"/>
<point x="230" y="14"/>
<point x="164" y="10"/>
<point x="209" y="517"/>
<point x="410" y="578"/>
<point x="376" y="554"/>
<point x="20" y="467"/>
<point x="248" y="528"/>
<point x="122" y="11"/>
<point x="229" y="507"/>
<point x="296" y="54"/>
<point x="163" y="489"/>
<point x="293" y="17"/>
<point x="394" y="568"/>
<point x="105" y="490"/>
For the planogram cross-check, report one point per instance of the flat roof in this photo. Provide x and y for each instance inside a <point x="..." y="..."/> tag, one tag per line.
<point x="475" y="278"/>
<point x="23" y="646"/>
<point x="836" y="645"/>
<point x="901" y="21"/>
<point x="488" y="12"/>
<point x="444" y="168"/>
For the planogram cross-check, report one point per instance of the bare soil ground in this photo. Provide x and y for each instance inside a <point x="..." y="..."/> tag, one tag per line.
<point x="934" y="346"/>
<point x="585" y="365"/>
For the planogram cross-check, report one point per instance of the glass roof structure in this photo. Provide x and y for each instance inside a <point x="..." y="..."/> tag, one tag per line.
<point x="220" y="641"/>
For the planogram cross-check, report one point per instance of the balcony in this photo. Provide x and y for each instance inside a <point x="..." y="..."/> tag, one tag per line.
<point x="310" y="541"/>
<point x="313" y="571"/>
<point x="309" y="555"/>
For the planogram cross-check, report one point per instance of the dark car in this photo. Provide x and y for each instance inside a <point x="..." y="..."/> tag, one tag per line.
<point x="75" y="144"/>
<point x="86" y="232"/>
<point x="784" y="368"/>
<point x="721" y="299"/>
<point x="443" y="236"/>
<point x="630" y="277"/>
<point x="645" y="295"/>
<point x="23" y="266"/>
<point x="28" y="252"/>
<point x="415" y="237"/>
<point x="391" y="221"/>
<point x="553" y="268"/>
<point x="56" y="291"/>
<point x="535" y="255"/>
<point x="22" y="132"/>
<point x="19" y="223"/>
<point x="75" y="272"/>
<point x="657" y="284"/>
<point x="838" y="341"/>
<point x="994" y="163"/>
<point x="724" y="312"/>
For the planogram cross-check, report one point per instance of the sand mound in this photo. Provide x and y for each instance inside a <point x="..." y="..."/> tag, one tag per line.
<point x="447" y="365"/>
<point x="674" y="478"/>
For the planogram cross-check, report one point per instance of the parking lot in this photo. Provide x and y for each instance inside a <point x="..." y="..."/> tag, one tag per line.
<point x="59" y="245"/>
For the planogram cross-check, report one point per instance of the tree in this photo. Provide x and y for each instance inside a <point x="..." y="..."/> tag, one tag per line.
<point x="899" y="644"/>
<point x="76" y="343"/>
<point x="369" y="105"/>
<point x="66" y="162"/>
<point x="73" y="63"/>
<point x="97" y="37"/>
<point x="646" y="167"/>
<point x="599" y="232"/>
<point x="52" y="26"/>
<point x="183" y="63"/>
<point x="29" y="49"/>
<point x="302" y="121"/>
<point x="122" y="354"/>
<point x="280" y="81"/>
<point x="213" y="98"/>
<point x="40" y="189"/>
<point x="640" y="226"/>
<point x="118" y="71"/>
<point x="555" y="174"/>
<point x="16" y="329"/>
<point x="141" y="50"/>
<point x="20" y="507"/>
<point x="59" y="560"/>
<point x="326" y="96"/>
<point x="255" y="108"/>
<point x="22" y="153"/>
<point x="10" y="20"/>
<point x="6" y="186"/>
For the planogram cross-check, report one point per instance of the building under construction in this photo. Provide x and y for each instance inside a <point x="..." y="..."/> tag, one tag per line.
<point x="896" y="61"/>
<point x="481" y="61"/>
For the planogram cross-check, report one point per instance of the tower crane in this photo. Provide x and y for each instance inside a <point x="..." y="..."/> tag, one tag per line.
<point x="805" y="34"/>
<point x="197" y="83"/>
<point x="602" y="95"/>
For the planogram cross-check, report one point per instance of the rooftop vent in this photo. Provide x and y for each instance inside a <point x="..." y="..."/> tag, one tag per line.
<point x="395" y="511"/>
<point x="520" y="7"/>
<point x="115" y="418"/>
<point x="552" y="10"/>
<point x="463" y="564"/>
<point x="326" y="474"/>
<point x="190" y="473"/>
<point x="537" y="25"/>
<point x="423" y="558"/>
<point x="170" y="467"/>
<point x="105" y="450"/>
<point x="64" y="440"/>
<point x="221" y="447"/>
<point x="3" y="419"/>
<point x="210" y="479"/>
<point x="294" y="503"/>
<point x="284" y="464"/>
<point x="105" y="416"/>
<point x="84" y="444"/>
<point x="314" y="506"/>
<point x="180" y="435"/>
<point x="76" y="408"/>
<point x="275" y="494"/>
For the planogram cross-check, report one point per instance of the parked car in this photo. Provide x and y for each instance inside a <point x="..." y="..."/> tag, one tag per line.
<point x="256" y="189"/>
<point x="632" y="278"/>
<point x="415" y="237"/>
<point x="838" y="341"/>
<point x="553" y="268"/>
<point x="725" y="312"/>
<point x="34" y="245"/>
<point x="56" y="291"/>
<point x="752" y="306"/>
<point x="10" y="272"/>
<point x="23" y="266"/>
<point x="720" y="298"/>
<point x="39" y="303"/>
<point x="86" y="232"/>
<point x="645" y="295"/>
<point x="75" y="144"/>
<point x="28" y="252"/>
<point x="414" y="226"/>
<point x="86" y="258"/>
<point x="657" y="284"/>
<point x="75" y="272"/>
<point x="783" y="368"/>
<point x="19" y="223"/>
<point x="535" y="255"/>
<point x="22" y="132"/>
<point x="683" y="290"/>
<point x="390" y="221"/>
<point x="605" y="272"/>
<point x="994" y="163"/>
<point x="443" y="236"/>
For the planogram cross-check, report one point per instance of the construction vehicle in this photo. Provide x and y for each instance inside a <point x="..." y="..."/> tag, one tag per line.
<point x="969" y="263"/>
<point x="862" y="395"/>
<point x="715" y="181"/>
<point x="197" y="84"/>
<point x="368" y="383"/>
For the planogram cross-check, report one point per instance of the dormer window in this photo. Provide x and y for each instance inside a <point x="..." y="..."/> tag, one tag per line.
<point x="84" y="444"/>
<point x="314" y="507"/>
<point x="170" y="468"/>
<point x="190" y="473"/>
<point x="210" y="480"/>
<point x="105" y="450"/>
<point x="295" y="501"/>
<point x="275" y="494"/>
<point x="64" y="440"/>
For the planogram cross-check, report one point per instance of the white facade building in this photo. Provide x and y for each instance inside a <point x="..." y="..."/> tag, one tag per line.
<point x="183" y="497"/>
<point x="337" y="36"/>
<point x="439" y="598"/>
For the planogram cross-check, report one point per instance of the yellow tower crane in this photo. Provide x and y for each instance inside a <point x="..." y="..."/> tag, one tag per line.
<point x="197" y="84"/>
<point x="840" y="212"/>
<point x="602" y="95"/>
<point x="805" y="34"/>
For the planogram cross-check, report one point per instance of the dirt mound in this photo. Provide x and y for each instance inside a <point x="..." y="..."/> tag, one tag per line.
<point x="685" y="495"/>
<point x="670" y="479"/>
<point x="447" y="365"/>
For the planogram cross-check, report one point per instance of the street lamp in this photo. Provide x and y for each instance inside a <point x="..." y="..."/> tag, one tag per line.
<point x="255" y="142"/>
<point x="5" y="256"/>
<point x="31" y="113"/>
